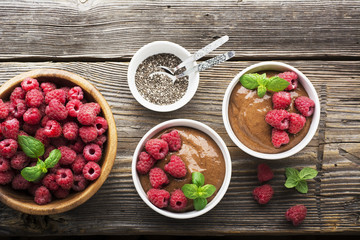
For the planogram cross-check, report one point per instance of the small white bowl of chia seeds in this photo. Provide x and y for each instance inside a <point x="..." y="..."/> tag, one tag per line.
<point x="157" y="92"/>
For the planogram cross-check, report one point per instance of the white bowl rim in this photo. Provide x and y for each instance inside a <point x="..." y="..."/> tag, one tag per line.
<point x="309" y="89"/>
<point x="193" y="77"/>
<point x="203" y="128"/>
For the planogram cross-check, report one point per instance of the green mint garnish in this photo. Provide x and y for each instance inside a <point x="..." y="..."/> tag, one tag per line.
<point x="197" y="191"/>
<point x="33" y="148"/>
<point x="298" y="179"/>
<point x="262" y="83"/>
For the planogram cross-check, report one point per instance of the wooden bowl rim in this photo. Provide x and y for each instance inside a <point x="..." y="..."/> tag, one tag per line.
<point x="62" y="205"/>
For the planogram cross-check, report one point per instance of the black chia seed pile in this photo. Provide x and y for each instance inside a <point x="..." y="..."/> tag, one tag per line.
<point x="159" y="89"/>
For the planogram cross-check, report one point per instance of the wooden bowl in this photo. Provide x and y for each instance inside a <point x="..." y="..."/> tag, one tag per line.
<point x="24" y="202"/>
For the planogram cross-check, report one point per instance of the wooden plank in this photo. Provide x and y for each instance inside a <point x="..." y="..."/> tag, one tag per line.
<point x="117" y="29"/>
<point x="332" y="200"/>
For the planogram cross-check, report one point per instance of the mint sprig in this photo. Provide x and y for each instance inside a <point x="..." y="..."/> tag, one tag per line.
<point x="34" y="148"/>
<point x="262" y="83"/>
<point x="297" y="180"/>
<point x="198" y="191"/>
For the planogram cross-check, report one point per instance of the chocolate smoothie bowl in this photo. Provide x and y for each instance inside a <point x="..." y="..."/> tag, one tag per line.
<point x="173" y="158"/>
<point x="263" y="126"/>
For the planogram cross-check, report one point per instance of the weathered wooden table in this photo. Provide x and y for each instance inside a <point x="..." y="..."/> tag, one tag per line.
<point x="96" y="39"/>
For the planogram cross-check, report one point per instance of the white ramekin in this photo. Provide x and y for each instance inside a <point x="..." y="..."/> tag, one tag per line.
<point x="157" y="48"/>
<point x="305" y="82"/>
<point x="203" y="128"/>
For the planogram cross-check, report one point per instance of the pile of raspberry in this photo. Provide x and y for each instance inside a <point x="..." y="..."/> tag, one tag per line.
<point x="60" y="118"/>
<point x="156" y="150"/>
<point x="281" y="120"/>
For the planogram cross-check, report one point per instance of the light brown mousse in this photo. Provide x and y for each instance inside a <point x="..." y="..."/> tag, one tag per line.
<point x="200" y="154"/>
<point x="247" y="118"/>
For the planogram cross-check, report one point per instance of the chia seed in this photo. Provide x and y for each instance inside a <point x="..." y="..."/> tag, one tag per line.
<point x="159" y="89"/>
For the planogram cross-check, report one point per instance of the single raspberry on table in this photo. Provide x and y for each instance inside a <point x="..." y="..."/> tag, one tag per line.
<point x="8" y="148"/>
<point x="17" y="108"/>
<point x="20" y="183"/>
<point x="297" y="122"/>
<point x="56" y="110"/>
<point x="78" y="146"/>
<point x="87" y="113"/>
<point x="49" y="181"/>
<point x="292" y="78"/>
<point x="75" y="93"/>
<point x="178" y="200"/>
<point x="296" y="214"/>
<point x="65" y="178"/>
<point x="29" y="83"/>
<point x="73" y="107"/>
<point x="305" y="106"/>
<point x="52" y="129"/>
<point x="80" y="183"/>
<point x="281" y="100"/>
<point x="67" y="155"/>
<point x="57" y="94"/>
<point x="61" y="193"/>
<point x="176" y="167"/>
<point x="279" y="137"/>
<point x="19" y="161"/>
<point x="4" y="109"/>
<point x="158" y="178"/>
<point x="32" y="116"/>
<point x="173" y="139"/>
<point x="92" y="152"/>
<point x="100" y="140"/>
<point x="34" y="98"/>
<point x="91" y="171"/>
<point x="47" y="87"/>
<point x="78" y="165"/>
<point x="18" y="93"/>
<point x="70" y="130"/>
<point x="263" y="194"/>
<point x="6" y="177"/>
<point x="278" y="119"/>
<point x="88" y="133"/>
<point x="42" y="195"/>
<point x="157" y="148"/>
<point x="160" y="198"/>
<point x="264" y="173"/>
<point x="101" y="125"/>
<point x="40" y="135"/>
<point x="4" y="164"/>
<point x="145" y="163"/>
<point x="10" y="128"/>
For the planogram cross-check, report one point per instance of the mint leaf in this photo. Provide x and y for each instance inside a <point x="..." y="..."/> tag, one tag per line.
<point x="249" y="80"/>
<point x="308" y="173"/>
<point x="31" y="146"/>
<point x="302" y="186"/>
<point x="261" y="91"/>
<point x="190" y="191"/>
<point x="291" y="171"/>
<point x="53" y="158"/>
<point x="206" y="191"/>
<point x="262" y="80"/>
<point x="200" y="203"/>
<point x="292" y="181"/>
<point x="32" y="174"/>
<point x="41" y="164"/>
<point x="198" y="179"/>
<point x="277" y="84"/>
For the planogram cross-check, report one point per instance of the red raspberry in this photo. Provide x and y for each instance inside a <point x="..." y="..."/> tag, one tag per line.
<point x="19" y="161"/>
<point x="78" y="165"/>
<point x="158" y="178"/>
<point x="29" y="83"/>
<point x="18" y="93"/>
<point x="42" y="109"/>
<point x="8" y="148"/>
<point x="55" y="168"/>
<point x="52" y="129"/>
<point x="291" y="77"/>
<point x="100" y="140"/>
<point x="296" y="214"/>
<point x="40" y="135"/>
<point x="4" y="110"/>
<point x="70" y="130"/>
<point x="279" y="137"/>
<point x="87" y="114"/>
<point x="6" y="177"/>
<point x="56" y="110"/>
<point x="278" y="119"/>
<point x="44" y="121"/>
<point x="80" y="183"/>
<point x="93" y="106"/>
<point x="17" y="108"/>
<point x="176" y="167"/>
<point x="263" y="194"/>
<point x="61" y="193"/>
<point x="92" y="152"/>
<point x="20" y="183"/>
<point x="64" y="177"/>
<point x="281" y="100"/>
<point x="305" y="106"/>
<point x="78" y="146"/>
<point x="91" y="171"/>
<point x="88" y="134"/>
<point x="59" y="142"/>
<point x="4" y="164"/>
<point x="173" y="139"/>
<point x="73" y="107"/>
<point x="42" y="195"/>
<point x="47" y="87"/>
<point x="58" y="94"/>
<point x="48" y="151"/>
<point x="66" y="90"/>
<point x="101" y="125"/>
<point x="22" y="133"/>
<point x="157" y="148"/>
<point x="297" y="122"/>
<point x="178" y="200"/>
<point x="10" y="128"/>
<point x="264" y="173"/>
<point x="67" y="155"/>
<point x="32" y="116"/>
<point x="160" y="198"/>
<point x="34" y="98"/>
<point x="33" y="187"/>
<point x="75" y="93"/>
<point x="49" y="181"/>
<point x="145" y="163"/>
<point x="30" y="129"/>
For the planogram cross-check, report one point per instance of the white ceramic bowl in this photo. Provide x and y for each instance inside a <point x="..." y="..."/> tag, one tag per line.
<point x="157" y="48"/>
<point x="203" y="128"/>
<point x="276" y="66"/>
